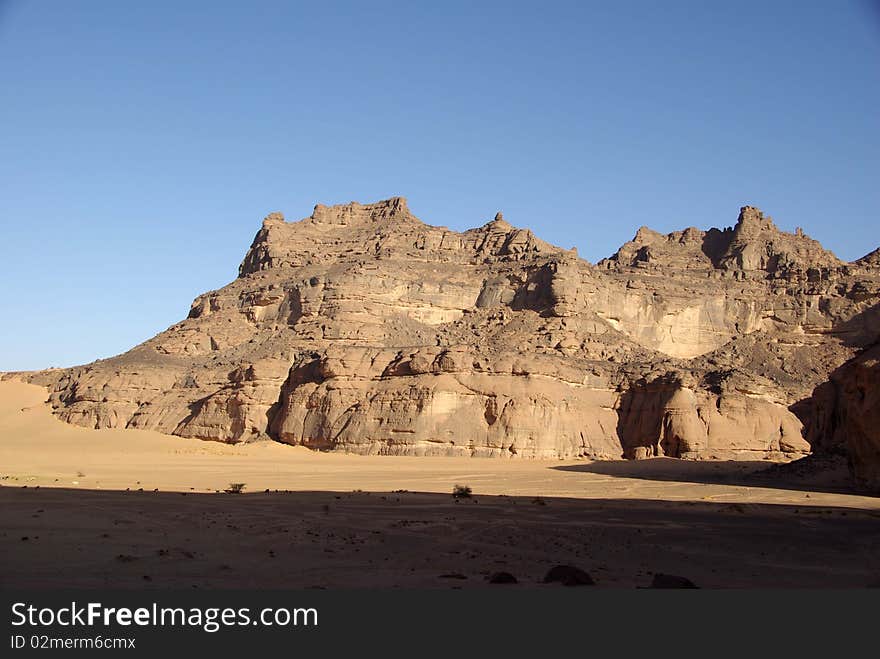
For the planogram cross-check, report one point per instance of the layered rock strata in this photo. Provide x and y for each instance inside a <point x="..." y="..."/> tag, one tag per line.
<point x="362" y="329"/>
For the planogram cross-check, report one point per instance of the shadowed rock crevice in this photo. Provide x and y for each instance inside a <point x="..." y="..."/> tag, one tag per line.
<point x="844" y="416"/>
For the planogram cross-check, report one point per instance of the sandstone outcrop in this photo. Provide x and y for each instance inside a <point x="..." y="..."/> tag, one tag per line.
<point x="361" y="328"/>
<point x="845" y="416"/>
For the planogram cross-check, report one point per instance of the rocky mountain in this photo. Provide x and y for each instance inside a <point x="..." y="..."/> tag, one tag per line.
<point x="361" y="328"/>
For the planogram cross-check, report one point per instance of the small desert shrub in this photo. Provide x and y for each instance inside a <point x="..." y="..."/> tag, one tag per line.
<point x="461" y="491"/>
<point x="234" y="488"/>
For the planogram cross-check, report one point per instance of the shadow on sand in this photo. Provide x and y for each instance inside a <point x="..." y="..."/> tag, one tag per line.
<point x="806" y="475"/>
<point x="134" y="540"/>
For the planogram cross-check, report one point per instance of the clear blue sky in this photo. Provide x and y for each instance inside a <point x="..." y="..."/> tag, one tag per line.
<point x="141" y="143"/>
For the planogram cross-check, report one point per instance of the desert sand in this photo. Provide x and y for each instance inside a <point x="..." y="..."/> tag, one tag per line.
<point x="134" y="509"/>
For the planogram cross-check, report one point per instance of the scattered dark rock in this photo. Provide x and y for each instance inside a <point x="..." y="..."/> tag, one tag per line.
<point x="671" y="581"/>
<point x="568" y="575"/>
<point x="502" y="577"/>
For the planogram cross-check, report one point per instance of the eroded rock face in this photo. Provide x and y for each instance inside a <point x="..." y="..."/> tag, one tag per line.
<point x="360" y="328"/>
<point x="446" y="401"/>
<point x="688" y="422"/>
<point x="845" y="416"/>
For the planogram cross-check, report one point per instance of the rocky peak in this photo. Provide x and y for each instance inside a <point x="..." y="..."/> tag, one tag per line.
<point x="646" y="236"/>
<point x="354" y="229"/>
<point x="691" y="235"/>
<point x="752" y="221"/>
<point x="679" y="249"/>
<point x="870" y="259"/>
<point x="757" y="244"/>
<point x="499" y="224"/>
<point x="355" y="232"/>
<point x="355" y="213"/>
<point x="275" y="218"/>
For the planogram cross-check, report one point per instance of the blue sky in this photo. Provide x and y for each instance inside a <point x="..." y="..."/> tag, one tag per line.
<point x="142" y="143"/>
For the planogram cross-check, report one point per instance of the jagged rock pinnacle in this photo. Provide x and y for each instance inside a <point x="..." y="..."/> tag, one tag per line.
<point x="273" y="218"/>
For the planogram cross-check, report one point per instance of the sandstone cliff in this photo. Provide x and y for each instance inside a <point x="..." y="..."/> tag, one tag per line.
<point x="363" y="329"/>
<point x="844" y="416"/>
